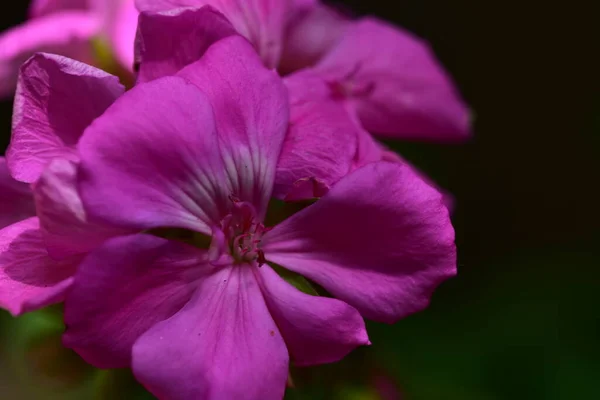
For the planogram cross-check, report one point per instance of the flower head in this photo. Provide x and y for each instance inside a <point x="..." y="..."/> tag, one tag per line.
<point x="387" y="76"/>
<point x="199" y="152"/>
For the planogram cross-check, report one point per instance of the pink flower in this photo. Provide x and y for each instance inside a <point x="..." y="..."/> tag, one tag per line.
<point x="385" y="75"/>
<point x="68" y="27"/>
<point x="41" y="246"/>
<point x="199" y="151"/>
<point x="316" y="155"/>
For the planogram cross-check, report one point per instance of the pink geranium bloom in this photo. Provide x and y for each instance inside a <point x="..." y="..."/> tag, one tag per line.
<point x="325" y="140"/>
<point x="387" y="76"/>
<point x="41" y="245"/>
<point x="199" y="151"/>
<point x="67" y="27"/>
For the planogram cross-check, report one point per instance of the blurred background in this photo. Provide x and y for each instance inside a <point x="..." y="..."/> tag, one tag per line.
<point x="522" y="318"/>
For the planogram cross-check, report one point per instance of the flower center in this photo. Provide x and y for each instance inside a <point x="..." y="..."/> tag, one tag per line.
<point x="237" y="239"/>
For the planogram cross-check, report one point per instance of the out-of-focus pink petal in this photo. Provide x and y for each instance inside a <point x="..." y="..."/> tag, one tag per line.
<point x="311" y="33"/>
<point x="153" y="160"/>
<point x="64" y="223"/>
<point x="67" y="33"/>
<point x="122" y="289"/>
<point x="380" y="240"/>
<point x="317" y="330"/>
<point x="39" y="8"/>
<point x="321" y="141"/>
<point x="122" y="30"/>
<point x="16" y="199"/>
<point x="251" y="111"/>
<point x="396" y="84"/>
<point x="222" y="345"/>
<point x="29" y="278"/>
<point x="57" y="98"/>
<point x="168" y="41"/>
<point x="262" y="22"/>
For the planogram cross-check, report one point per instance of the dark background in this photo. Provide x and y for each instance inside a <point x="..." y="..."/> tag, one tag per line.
<point x="521" y="320"/>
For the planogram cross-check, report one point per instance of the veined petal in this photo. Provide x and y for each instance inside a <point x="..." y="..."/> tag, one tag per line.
<point x="222" y="345"/>
<point x="251" y="112"/>
<point x="153" y="160"/>
<point x="316" y="329"/>
<point x="122" y="289"/>
<point x="262" y="22"/>
<point x="322" y="140"/>
<point x="16" y="199"/>
<point x="29" y="278"/>
<point x="168" y="41"/>
<point x="396" y="84"/>
<point x="380" y="240"/>
<point x="57" y="98"/>
<point x="64" y="223"/>
<point x="67" y="33"/>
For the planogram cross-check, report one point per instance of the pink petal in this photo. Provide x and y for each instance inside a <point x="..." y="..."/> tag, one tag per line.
<point x="29" y="278"/>
<point x="316" y="329"/>
<point x="222" y="345"/>
<point x="380" y="240"/>
<point x="67" y="33"/>
<point x="39" y="8"/>
<point x="16" y="199"/>
<point x="321" y="141"/>
<point x="251" y="111"/>
<point x="311" y="33"/>
<point x="262" y="22"/>
<point x="122" y="289"/>
<point x="392" y="156"/>
<point x="306" y="189"/>
<point x="64" y="223"/>
<point x="122" y="30"/>
<point x="396" y="84"/>
<point x="57" y="98"/>
<point x="169" y="41"/>
<point x="152" y="160"/>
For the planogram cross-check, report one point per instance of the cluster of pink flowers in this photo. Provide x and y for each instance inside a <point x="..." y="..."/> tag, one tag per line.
<point x="147" y="211"/>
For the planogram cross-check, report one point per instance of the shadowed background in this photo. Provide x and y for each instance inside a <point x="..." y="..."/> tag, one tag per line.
<point x="521" y="320"/>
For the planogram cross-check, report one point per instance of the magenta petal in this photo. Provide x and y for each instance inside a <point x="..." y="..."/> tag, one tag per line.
<point x="57" y="98"/>
<point x="380" y="240"/>
<point x="222" y="345"/>
<point x="251" y="112"/>
<point x="39" y="8"/>
<point x="29" y="278"/>
<point x="312" y="31"/>
<point x="166" y="42"/>
<point x="122" y="289"/>
<point x="392" y="156"/>
<point x="262" y="22"/>
<point x="152" y="160"/>
<point x="306" y="189"/>
<point x="16" y="199"/>
<point x="122" y="30"/>
<point x="317" y="330"/>
<point x="67" y="33"/>
<point x="396" y="84"/>
<point x="321" y="141"/>
<point x="64" y="223"/>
